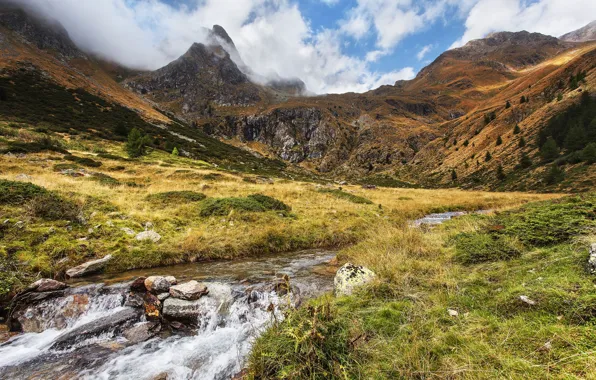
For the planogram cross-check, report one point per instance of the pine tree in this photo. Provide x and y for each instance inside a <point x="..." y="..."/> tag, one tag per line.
<point x="576" y="138"/>
<point x="559" y="97"/>
<point x="175" y="152"/>
<point x="573" y="83"/>
<point x="516" y="130"/>
<point x="136" y="145"/>
<point x="525" y="161"/>
<point x="501" y="173"/>
<point x="507" y="105"/>
<point x="522" y="142"/>
<point x="488" y="157"/>
<point x="522" y="100"/>
<point x="499" y="141"/>
<point x="589" y="153"/>
<point x="554" y="175"/>
<point x="549" y="150"/>
<point x="466" y="143"/>
<point x="453" y="175"/>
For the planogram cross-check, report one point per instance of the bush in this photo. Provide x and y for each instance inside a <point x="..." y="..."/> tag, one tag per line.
<point x="525" y="161"/>
<point x="516" y="129"/>
<point x="18" y="193"/>
<point x="554" y="175"/>
<point x="347" y="196"/>
<point x="548" y="223"/>
<point x="252" y="203"/>
<point x="51" y="206"/>
<point x="176" y="197"/>
<point x="549" y="150"/>
<point x="589" y="153"/>
<point x="85" y="161"/>
<point x="474" y="247"/>
<point x="499" y="140"/>
<point x="136" y="146"/>
<point x="104" y="179"/>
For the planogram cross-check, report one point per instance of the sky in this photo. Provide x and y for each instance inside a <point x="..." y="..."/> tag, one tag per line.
<point x="334" y="46"/>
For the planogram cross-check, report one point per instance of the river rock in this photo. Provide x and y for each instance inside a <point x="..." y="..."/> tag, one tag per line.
<point x="191" y="290"/>
<point x="592" y="259"/>
<point x="177" y="309"/>
<point x="25" y="315"/>
<point x="351" y="276"/>
<point x="46" y="285"/>
<point x="114" y="323"/>
<point x="157" y="284"/>
<point x="152" y="306"/>
<point x="141" y="332"/>
<point x="172" y="280"/>
<point x="148" y="235"/>
<point x="89" y="267"/>
<point x="162" y="296"/>
<point x="138" y="285"/>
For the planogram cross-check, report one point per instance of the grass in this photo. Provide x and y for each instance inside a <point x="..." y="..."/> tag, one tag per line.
<point x="128" y="197"/>
<point x="400" y="327"/>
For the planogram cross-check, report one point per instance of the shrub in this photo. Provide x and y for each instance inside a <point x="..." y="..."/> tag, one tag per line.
<point x="516" y="129"/>
<point x="508" y="104"/>
<point x="175" y="152"/>
<point x="548" y="223"/>
<point x="525" y="161"/>
<point x="270" y="203"/>
<point x="589" y="153"/>
<point x="85" y="161"/>
<point x="136" y="146"/>
<point x="474" y="247"/>
<point x="488" y="157"/>
<point x="346" y="196"/>
<point x="501" y="176"/>
<point x="104" y="179"/>
<point x="176" y="197"/>
<point x="522" y="142"/>
<point x="18" y="193"/>
<point x="252" y="203"/>
<point x="453" y="175"/>
<point x="499" y="140"/>
<point x="549" y="150"/>
<point x="51" y="206"/>
<point x="554" y="175"/>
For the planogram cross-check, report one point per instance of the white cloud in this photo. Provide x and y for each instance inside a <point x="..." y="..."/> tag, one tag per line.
<point x="552" y="17"/>
<point x="423" y="52"/>
<point x="330" y="2"/>
<point x="272" y="37"/>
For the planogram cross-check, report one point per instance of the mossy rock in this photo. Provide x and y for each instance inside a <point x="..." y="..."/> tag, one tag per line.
<point x="340" y="194"/>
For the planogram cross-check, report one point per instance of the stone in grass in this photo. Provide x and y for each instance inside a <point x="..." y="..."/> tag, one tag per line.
<point x="349" y="277"/>
<point x="527" y="300"/>
<point x="453" y="313"/>
<point x="592" y="259"/>
<point x="89" y="267"/>
<point x="189" y="291"/>
<point x="148" y="235"/>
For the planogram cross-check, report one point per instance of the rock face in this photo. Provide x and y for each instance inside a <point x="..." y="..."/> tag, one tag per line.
<point x="46" y="285"/>
<point x="157" y="284"/>
<point x="189" y="291"/>
<point x="114" y="323"/>
<point x="351" y="276"/>
<point x="592" y="259"/>
<point x="587" y="33"/>
<point x="148" y="235"/>
<point x="89" y="267"/>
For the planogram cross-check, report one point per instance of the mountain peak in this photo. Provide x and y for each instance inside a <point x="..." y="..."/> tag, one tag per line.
<point x="587" y="33"/>
<point x="219" y="31"/>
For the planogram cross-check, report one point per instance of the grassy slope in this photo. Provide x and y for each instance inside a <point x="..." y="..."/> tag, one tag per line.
<point x="118" y="198"/>
<point x="400" y="326"/>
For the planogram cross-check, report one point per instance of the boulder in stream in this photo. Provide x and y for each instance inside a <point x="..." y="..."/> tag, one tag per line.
<point x="351" y="276"/>
<point x="141" y="332"/>
<point x="177" y="309"/>
<point x="157" y="284"/>
<point x="191" y="290"/>
<point x="46" y="285"/>
<point x="89" y="267"/>
<point x="114" y="323"/>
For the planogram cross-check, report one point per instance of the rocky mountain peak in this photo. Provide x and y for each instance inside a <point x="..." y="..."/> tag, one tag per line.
<point x="219" y="31"/>
<point x="43" y="33"/>
<point x="587" y="33"/>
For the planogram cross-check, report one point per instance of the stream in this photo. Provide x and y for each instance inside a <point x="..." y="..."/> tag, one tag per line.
<point x="81" y="333"/>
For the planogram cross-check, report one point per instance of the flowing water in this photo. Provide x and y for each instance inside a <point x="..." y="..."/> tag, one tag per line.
<point x="232" y="316"/>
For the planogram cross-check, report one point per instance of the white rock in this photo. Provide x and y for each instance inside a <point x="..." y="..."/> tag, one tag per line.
<point x="128" y="231"/>
<point x="148" y="235"/>
<point x="189" y="291"/>
<point x="527" y="300"/>
<point x="157" y="284"/>
<point x="452" y="313"/>
<point x="172" y="280"/>
<point x="592" y="259"/>
<point x="351" y="276"/>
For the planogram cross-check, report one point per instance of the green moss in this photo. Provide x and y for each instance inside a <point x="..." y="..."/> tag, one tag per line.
<point x="346" y="196"/>
<point x="17" y="193"/>
<point x="252" y="203"/>
<point x="176" y="197"/>
<point x="50" y="206"/>
<point x="473" y="248"/>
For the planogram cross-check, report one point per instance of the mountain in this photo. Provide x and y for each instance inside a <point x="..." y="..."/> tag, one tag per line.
<point x="441" y="125"/>
<point x="587" y="33"/>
